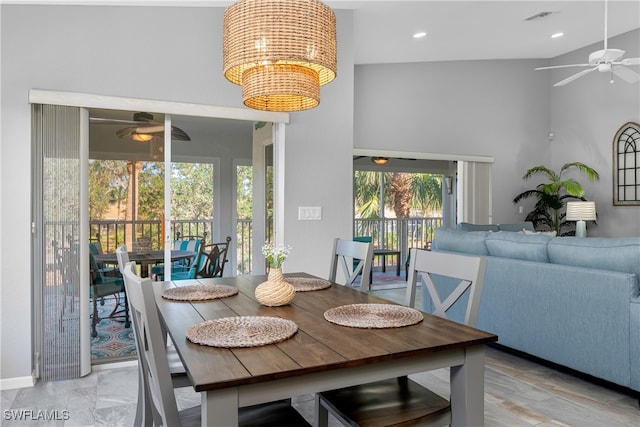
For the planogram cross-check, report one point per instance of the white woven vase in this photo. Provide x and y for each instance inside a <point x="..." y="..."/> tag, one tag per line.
<point x="275" y="291"/>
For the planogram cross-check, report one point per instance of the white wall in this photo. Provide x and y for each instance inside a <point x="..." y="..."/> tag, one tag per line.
<point x="487" y="108"/>
<point x="176" y="57"/>
<point x="585" y="116"/>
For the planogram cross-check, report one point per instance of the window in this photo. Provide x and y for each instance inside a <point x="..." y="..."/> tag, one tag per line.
<point x="626" y="165"/>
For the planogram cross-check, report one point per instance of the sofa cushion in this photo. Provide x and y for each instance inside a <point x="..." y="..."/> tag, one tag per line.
<point x="507" y="244"/>
<point x="519" y="226"/>
<point x="606" y="253"/>
<point x="469" y="242"/>
<point x="467" y="226"/>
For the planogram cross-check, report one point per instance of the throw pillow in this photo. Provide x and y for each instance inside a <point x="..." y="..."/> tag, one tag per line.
<point x="544" y="233"/>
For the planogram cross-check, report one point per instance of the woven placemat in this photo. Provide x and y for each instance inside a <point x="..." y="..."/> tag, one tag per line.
<point x="373" y="316"/>
<point x="199" y="292"/>
<point x="242" y="331"/>
<point x="305" y="284"/>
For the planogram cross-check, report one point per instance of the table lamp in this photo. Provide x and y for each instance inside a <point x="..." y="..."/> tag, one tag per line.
<point x="581" y="212"/>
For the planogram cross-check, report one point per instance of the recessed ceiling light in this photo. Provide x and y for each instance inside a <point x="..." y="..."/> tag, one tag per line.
<point x="556" y="35"/>
<point x="419" y="35"/>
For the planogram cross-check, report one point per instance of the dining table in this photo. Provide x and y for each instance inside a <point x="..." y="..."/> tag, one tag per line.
<point x="144" y="259"/>
<point x="320" y="355"/>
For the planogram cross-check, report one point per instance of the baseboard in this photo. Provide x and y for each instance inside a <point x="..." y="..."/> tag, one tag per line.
<point x="113" y="365"/>
<point x="18" y="382"/>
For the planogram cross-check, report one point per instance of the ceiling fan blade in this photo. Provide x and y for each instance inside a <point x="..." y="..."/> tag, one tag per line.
<point x="179" y="135"/>
<point x="562" y="66"/>
<point x="103" y="121"/>
<point x="630" y="61"/>
<point x="126" y="133"/>
<point x="575" y="76"/>
<point x="625" y="74"/>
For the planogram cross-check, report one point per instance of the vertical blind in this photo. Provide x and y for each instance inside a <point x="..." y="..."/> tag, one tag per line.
<point x="57" y="231"/>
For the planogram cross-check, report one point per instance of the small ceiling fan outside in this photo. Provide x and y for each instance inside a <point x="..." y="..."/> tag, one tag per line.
<point x="142" y="128"/>
<point x="606" y="60"/>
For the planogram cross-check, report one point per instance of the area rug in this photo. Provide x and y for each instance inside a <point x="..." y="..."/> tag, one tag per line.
<point x="114" y="342"/>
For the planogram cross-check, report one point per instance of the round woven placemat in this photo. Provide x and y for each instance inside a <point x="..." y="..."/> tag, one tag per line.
<point x="242" y="331"/>
<point x="373" y="316"/>
<point x="305" y="284"/>
<point x="199" y="292"/>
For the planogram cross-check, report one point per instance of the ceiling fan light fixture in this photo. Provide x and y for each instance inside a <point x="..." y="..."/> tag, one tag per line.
<point x="280" y="52"/>
<point x="380" y="160"/>
<point x="141" y="137"/>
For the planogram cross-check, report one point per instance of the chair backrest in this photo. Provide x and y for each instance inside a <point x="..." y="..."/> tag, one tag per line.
<point x="123" y="258"/>
<point x="151" y="348"/>
<point x="349" y="250"/>
<point x="215" y="257"/>
<point x="188" y="243"/>
<point x="462" y="273"/>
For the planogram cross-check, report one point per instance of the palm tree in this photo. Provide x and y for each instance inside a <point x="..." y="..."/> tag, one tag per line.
<point x="402" y="191"/>
<point x="551" y="196"/>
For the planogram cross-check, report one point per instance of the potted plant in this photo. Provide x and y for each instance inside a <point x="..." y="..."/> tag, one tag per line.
<point x="552" y="196"/>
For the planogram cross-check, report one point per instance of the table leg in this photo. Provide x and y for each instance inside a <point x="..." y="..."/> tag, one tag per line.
<point x="384" y="263"/>
<point x="467" y="389"/>
<point x="219" y="407"/>
<point x="398" y="265"/>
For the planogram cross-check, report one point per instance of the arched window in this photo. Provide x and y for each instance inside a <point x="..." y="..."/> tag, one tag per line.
<point x="626" y="165"/>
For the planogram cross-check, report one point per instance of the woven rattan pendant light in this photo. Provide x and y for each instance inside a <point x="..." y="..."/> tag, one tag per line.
<point x="280" y="52"/>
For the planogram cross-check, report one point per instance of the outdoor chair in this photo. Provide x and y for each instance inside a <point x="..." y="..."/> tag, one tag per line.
<point x="102" y="286"/>
<point x="95" y="247"/>
<point x="349" y="250"/>
<point x="160" y="406"/>
<point x="215" y="259"/>
<point x="402" y="401"/>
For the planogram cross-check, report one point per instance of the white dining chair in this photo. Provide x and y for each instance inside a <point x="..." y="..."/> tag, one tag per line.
<point x="160" y="404"/>
<point x="344" y="253"/>
<point x="450" y="279"/>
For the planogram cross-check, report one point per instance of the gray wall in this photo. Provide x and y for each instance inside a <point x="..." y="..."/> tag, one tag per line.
<point x="486" y="108"/>
<point x="165" y="53"/>
<point x="585" y="116"/>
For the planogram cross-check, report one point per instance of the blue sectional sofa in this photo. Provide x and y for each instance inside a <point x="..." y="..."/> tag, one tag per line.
<point x="572" y="301"/>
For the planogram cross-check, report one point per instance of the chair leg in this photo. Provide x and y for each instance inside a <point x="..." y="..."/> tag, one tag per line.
<point x="321" y="414"/>
<point x="94" y="320"/>
<point x="127" y="322"/>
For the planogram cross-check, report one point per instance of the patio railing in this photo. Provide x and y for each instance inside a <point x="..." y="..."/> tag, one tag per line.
<point x="400" y="234"/>
<point x="389" y="233"/>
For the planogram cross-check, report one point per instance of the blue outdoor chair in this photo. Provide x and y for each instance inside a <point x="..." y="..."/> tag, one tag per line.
<point x="102" y="286"/>
<point x="193" y="244"/>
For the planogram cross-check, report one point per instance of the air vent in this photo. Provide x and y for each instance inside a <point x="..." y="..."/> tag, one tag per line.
<point x="538" y="15"/>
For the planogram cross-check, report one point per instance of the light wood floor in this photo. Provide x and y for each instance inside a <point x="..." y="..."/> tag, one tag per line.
<point x="518" y="392"/>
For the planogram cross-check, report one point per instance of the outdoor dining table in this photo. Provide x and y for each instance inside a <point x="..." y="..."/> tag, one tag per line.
<point x="321" y="355"/>
<point x="145" y="259"/>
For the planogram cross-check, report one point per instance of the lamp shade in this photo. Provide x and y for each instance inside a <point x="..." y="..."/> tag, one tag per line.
<point x="280" y="52"/>
<point x="581" y="211"/>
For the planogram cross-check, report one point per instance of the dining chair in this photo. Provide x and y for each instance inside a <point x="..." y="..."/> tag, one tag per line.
<point x="160" y="402"/>
<point x="450" y="279"/>
<point x="101" y="286"/>
<point x="95" y="247"/>
<point x="344" y="253"/>
<point x="216" y="258"/>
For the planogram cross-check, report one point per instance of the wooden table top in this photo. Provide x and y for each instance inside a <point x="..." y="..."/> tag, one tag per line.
<point x="317" y="346"/>
<point x="148" y="257"/>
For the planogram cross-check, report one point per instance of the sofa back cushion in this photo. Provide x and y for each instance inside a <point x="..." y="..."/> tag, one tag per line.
<point x="529" y="247"/>
<point x="469" y="242"/>
<point x="606" y="253"/>
<point x="518" y="226"/>
<point x="467" y="226"/>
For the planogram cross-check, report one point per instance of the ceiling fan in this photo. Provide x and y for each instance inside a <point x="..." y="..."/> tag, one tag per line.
<point x="142" y="128"/>
<point x="606" y="60"/>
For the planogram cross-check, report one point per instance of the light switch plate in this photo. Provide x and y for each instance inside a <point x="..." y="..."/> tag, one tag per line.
<point x="309" y="213"/>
